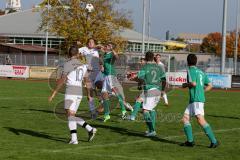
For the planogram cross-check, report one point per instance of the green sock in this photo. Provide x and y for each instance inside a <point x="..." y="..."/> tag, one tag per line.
<point x="148" y="120"/>
<point x="153" y="115"/>
<point x="120" y="99"/>
<point x="188" y="132"/>
<point x="106" y="105"/>
<point x="136" y="108"/>
<point x="208" y="131"/>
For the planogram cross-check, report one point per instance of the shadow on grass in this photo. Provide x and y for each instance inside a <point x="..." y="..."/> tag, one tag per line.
<point x="217" y="116"/>
<point x="128" y="132"/>
<point x="35" y="134"/>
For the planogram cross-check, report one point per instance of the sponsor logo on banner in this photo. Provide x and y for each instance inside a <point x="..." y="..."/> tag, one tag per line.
<point x="14" y="71"/>
<point x="176" y="78"/>
<point x="220" y="81"/>
<point x="19" y="70"/>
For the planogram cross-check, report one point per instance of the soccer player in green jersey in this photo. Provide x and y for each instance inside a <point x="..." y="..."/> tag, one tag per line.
<point x="198" y="83"/>
<point x="111" y="83"/>
<point x="152" y="75"/>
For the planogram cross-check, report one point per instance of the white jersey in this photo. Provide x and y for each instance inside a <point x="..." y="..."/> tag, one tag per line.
<point x="162" y="65"/>
<point x="75" y="71"/>
<point x="92" y="57"/>
<point x="75" y="77"/>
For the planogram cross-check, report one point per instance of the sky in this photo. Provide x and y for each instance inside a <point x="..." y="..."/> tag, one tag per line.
<point x="177" y="16"/>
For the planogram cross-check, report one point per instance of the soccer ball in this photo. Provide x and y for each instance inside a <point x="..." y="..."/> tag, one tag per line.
<point x="89" y="7"/>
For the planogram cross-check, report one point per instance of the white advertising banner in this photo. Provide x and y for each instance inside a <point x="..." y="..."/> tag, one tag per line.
<point x="14" y="71"/>
<point x="220" y="80"/>
<point x="176" y="78"/>
<point x="217" y="80"/>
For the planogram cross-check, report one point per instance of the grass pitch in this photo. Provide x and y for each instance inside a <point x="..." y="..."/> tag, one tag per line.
<point x="33" y="129"/>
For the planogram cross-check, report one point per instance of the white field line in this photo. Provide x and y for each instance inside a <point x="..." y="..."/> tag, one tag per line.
<point x="101" y="156"/>
<point x="133" y="142"/>
<point x="19" y="98"/>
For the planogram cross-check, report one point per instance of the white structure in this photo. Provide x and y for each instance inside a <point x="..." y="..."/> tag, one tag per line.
<point x="192" y="38"/>
<point x="13" y="4"/>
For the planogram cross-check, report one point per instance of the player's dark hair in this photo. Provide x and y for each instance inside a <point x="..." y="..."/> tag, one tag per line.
<point x="73" y="50"/>
<point x="112" y="44"/>
<point x="142" y="59"/>
<point x="155" y="57"/>
<point x="192" y="60"/>
<point x="149" y="56"/>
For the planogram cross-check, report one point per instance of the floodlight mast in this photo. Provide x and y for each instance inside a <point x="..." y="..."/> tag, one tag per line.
<point x="224" y="26"/>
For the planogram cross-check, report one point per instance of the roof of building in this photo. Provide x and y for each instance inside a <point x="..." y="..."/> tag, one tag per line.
<point x="134" y="36"/>
<point x="26" y="24"/>
<point x="192" y="36"/>
<point x="29" y="48"/>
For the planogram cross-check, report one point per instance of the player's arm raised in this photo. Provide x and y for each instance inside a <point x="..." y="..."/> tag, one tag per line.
<point x="60" y="83"/>
<point x="116" y="56"/>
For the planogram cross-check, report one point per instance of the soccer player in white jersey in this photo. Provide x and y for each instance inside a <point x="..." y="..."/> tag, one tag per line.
<point x="158" y="61"/>
<point x="73" y="75"/>
<point x="92" y="58"/>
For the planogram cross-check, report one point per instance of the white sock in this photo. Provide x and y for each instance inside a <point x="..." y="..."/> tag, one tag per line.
<point x="72" y="124"/>
<point x="165" y="98"/>
<point x="91" y="105"/>
<point x="83" y="123"/>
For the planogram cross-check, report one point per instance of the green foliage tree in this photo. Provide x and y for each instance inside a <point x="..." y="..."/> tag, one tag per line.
<point x="75" y="23"/>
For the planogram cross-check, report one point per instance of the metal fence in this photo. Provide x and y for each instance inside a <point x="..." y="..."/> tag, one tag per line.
<point x="28" y="59"/>
<point x="174" y="62"/>
<point x="177" y="62"/>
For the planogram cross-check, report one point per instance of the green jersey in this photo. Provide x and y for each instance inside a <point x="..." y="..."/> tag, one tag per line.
<point x="152" y="74"/>
<point x="108" y="64"/>
<point x="200" y="78"/>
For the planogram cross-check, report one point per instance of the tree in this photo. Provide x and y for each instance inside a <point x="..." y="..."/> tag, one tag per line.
<point x="213" y="44"/>
<point x="75" y="23"/>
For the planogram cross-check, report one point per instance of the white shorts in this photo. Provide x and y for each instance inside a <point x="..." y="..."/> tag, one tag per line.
<point x="72" y="102"/>
<point x="196" y="108"/>
<point x="111" y="82"/>
<point x="150" y="98"/>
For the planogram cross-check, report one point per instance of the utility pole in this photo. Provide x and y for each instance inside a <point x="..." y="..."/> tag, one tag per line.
<point x="224" y="24"/>
<point x="236" y="41"/>
<point x="149" y="23"/>
<point x="143" y="26"/>
<point x="46" y="45"/>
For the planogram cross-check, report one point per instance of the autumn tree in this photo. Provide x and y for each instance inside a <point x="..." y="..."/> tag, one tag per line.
<point x="213" y="44"/>
<point x="75" y="23"/>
